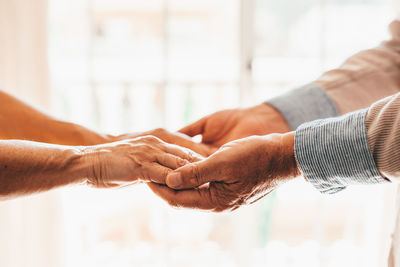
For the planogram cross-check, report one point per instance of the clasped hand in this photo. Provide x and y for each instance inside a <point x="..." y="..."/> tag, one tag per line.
<point x="239" y="173"/>
<point x="232" y="173"/>
<point x="242" y="170"/>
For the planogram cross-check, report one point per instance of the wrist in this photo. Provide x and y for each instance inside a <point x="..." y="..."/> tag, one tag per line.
<point x="75" y="165"/>
<point x="272" y="120"/>
<point x="288" y="155"/>
<point x="95" y="161"/>
<point x="86" y="160"/>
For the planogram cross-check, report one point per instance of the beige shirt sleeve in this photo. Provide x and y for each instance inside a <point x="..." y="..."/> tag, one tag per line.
<point x="363" y="79"/>
<point x="383" y="132"/>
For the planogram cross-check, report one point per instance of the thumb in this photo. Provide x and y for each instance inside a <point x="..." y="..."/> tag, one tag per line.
<point x="195" y="174"/>
<point x="195" y="128"/>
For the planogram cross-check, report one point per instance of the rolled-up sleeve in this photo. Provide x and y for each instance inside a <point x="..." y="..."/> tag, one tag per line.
<point x="334" y="153"/>
<point x="304" y="104"/>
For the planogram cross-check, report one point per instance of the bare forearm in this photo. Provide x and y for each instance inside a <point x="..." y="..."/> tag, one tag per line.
<point x="21" y="121"/>
<point x="30" y="167"/>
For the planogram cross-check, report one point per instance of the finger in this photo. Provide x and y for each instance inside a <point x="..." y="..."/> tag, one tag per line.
<point x="195" y="174"/>
<point x="195" y="128"/>
<point x="204" y="149"/>
<point x="180" y="140"/>
<point x="183" y="153"/>
<point x="186" y="141"/>
<point x="156" y="173"/>
<point x="171" y="161"/>
<point x="194" y="198"/>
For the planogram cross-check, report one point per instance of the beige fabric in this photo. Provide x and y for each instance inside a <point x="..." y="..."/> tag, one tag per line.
<point x="383" y="122"/>
<point x="363" y="79"/>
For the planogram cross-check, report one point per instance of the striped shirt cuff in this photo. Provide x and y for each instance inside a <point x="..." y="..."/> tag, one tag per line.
<point x="304" y="104"/>
<point x="334" y="153"/>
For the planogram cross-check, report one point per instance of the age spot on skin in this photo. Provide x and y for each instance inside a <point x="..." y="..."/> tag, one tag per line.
<point x="5" y="166"/>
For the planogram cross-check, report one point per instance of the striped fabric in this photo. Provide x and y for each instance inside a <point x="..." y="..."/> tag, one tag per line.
<point x="334" y="153"/>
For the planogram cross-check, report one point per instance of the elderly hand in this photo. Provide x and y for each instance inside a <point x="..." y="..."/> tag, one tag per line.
<point x="224" y="126"/>
<point x="239" y="173"/>
<point x="171" y="138"/>
<point x="130" y="161"/>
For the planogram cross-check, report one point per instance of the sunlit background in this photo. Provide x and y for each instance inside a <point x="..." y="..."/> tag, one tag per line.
<point x="132" y="65"/>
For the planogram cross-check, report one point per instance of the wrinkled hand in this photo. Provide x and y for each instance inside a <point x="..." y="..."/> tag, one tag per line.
<point x="224" y="126"/>
<point x="130" y="161"/>
<point x="171" y="138"/>
<point x="239" y="173"/>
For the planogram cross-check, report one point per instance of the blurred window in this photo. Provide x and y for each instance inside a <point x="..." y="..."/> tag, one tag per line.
<point x="129" y="65"/>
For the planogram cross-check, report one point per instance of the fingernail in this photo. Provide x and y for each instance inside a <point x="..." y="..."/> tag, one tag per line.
<point x="174" y="179"/>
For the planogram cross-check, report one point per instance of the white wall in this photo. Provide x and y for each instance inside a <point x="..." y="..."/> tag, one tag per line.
<point x="23" y="53"/>
<point x="29" y="226"/>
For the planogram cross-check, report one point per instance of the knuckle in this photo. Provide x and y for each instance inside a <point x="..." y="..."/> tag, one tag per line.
<point x="161" y="158"/>
<point x="159" y="131"/>
<point x="151" y="156"/>
<point x="190" y="155"/>
<point x="165" y="174"/>
<point x="151" y="139"/>
<point x="181" y="162"/>
<point x="144" y="153"/>
<point x="143" y="149"/>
